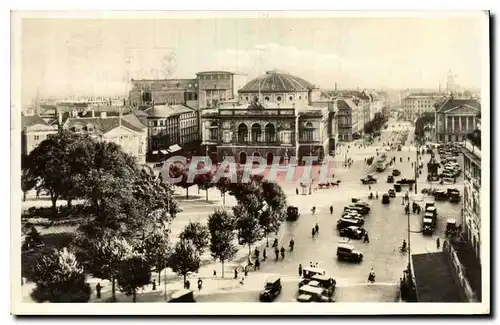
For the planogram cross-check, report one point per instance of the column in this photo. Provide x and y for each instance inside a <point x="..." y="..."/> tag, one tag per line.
<point x="460" y="124"/>
<point x="453" y="124"/>
<point x="445" y="124"/>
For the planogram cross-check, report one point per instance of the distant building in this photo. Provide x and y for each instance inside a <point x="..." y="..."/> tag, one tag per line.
<point x="414" y="105"/>
<point x="455" y="118"/>
<point x="347" y="125"/>
<point x="33" y="131"/>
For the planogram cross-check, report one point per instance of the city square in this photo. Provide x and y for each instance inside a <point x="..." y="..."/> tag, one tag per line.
<point x="251" y="183"/>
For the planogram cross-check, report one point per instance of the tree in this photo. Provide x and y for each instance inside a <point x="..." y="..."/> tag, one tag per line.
<point x="134" y="272"/>
<point x="204" y="182"/>
<point x="221" y="225"/>
<point x="223" y="185"/>
<point x="274" y="213"/>
<point x="27" y="183"/>
<point x="103" y="255"/>
<point x="157" y="249"/>
<point x="247" y="223"/>
<point x="60" y="278"/>
<point x="51" y="163"/>
<point x="184" y="258"/>
<point x="197" y="233"/>
<point x="179" y="170"/>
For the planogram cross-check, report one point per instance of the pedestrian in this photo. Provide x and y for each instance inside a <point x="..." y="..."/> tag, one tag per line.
<point x="366" y="239"/>
<point x="313" y="232"/>
<point x="316" y="265"/>
<point x="408" y="158"/>
<point x="154" y="284"/>
<point x="257" y="253"/>
<point x="438" y="244"/>
<point x="214" y="273"/>
<point x="300" y="269"/>
<point x="257" y="265"/>
<point x="296" y="191"/>
<point x="316" y="228"/>
<point x="331" y="209"/>
<point x="187" y="284"/>
<point x="235" y="273"/>
<point x="98" y="288"/>
<point x="369" y="187"/>
<point x="276" y="252"/>
<point x="264" y="255"/>
<point x="200" y="284"/>
<point x="245" y="270"/>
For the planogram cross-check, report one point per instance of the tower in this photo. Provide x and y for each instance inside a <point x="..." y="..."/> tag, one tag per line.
<point x="450" y="82"/>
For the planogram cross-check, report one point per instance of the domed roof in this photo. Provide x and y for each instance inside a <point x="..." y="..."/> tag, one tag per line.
<point x="275" y="81"/>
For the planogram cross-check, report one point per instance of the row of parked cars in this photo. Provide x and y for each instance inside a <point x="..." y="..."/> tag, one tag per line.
<point x="350" y="225"/>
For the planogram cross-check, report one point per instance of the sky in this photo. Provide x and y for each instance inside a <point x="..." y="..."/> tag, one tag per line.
<point x="61" y="57"/>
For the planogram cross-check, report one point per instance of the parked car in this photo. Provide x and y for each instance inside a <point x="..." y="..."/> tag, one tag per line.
<point x="390" y="179"/>
<point x="353" y="232"/>
<point x="271" y="290"/>
<point x="292" y="213"/>
<point x="433" y="177"/>
<point x="346" y="222"/>
<point x="348" y="253"/>
<point x="369" y="180"/>
<point x="308" y="293"/>
<point x="386" y="199"/>
<point x="391" y="192"/>
<point x="406" y="181"/>
<point x="440" y="195"/>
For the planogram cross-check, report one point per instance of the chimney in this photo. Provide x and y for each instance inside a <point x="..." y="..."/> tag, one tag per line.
<point x="103" y="114"/>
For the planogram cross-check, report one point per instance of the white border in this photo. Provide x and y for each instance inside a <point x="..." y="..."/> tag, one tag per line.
<point x="236" y="308"/>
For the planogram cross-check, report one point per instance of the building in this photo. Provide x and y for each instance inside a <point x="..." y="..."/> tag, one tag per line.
<point x="122" y="130"/>
<point x="33" y="131"/>
<point x="455" y="118"/>
<point x="206" y="90"/>
<point x="472" y="190"/>
<point x="272" y="116"/>
<point x="170" y="129"/>
<point x="416" y="104"/>
<point x="347" y="121"/>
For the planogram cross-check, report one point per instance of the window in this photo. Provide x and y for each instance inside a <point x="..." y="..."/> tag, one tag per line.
<point x="266" y="98"/>
<point x="36" y="137"/>
<point x="278" y="98"/>
<point x="290" y="98"/>
<point x="246" y="98"/>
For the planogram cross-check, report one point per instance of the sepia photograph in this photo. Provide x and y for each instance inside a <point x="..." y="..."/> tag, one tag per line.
<point x="280" y="162"/>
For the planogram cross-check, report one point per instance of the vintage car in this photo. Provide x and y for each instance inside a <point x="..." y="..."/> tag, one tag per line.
<point x="360" y="208"/>
<point x="348" y="253"/>
<point x="348" y="214"/>
<point x="440" y="195"/>
<point x="406" y="181"/>
<point x="396" y="172"/>
<point x="313" y="294"/>
<point x="433" y="177"/>
<point x="430" y="204"/>
<point x="364" y="205"/>
<point x="324" y="281"/>
<point x="451" y="227"/>
<point x="346" y="222"/>
<point x="183" y="295"/>
<point x="391" y="192"/>
<point x="386" y="198"/>
<point x="309" y="272"/>
<point x="431" y="209"/>
<point x="292" y="213"/>
<point x="352" y="232"/>
<point x="369" y="180"/>
<point x="271" y="290"/>
<point x="397" y="187"/>
<point x="390" y="179"/>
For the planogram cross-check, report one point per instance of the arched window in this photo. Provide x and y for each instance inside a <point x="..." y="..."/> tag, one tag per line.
<point x="214" y="132"/>
<point x="307" y="134"/>
<point x="266" y="98"/>
<point x="246" y="98"/>
<point x="256" y="131"/>
<point x="278" y="98"/>
<point x="290" y="98"/>
<point x="242" y="133"/>
<point x="270" y="133"/>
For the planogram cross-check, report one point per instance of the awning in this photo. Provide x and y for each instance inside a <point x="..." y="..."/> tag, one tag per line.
<point x="174" y="148"/>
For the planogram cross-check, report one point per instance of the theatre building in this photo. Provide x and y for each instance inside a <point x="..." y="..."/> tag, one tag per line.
<point x="271" y="116"/>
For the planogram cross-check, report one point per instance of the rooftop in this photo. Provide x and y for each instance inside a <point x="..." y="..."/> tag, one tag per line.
<point x="30" y="120"/>
<point x="167" y="110"/>
<point x="276" y="81"/>
<point x="433" y="278"/>
<point x="103" y="125"/>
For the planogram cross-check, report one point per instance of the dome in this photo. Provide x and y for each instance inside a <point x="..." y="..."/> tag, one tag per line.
<point x="276" y="82"/>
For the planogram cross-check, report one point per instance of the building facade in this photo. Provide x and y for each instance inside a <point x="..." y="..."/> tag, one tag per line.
<point x="33" y="131"/>
<point x="131" y="138"/>
<point x="472" y="190"/>
<point x="455" y="118"/>
<point x="414" y="105"/>
<point x="271" y="117"/>
<point x="347" y="121"/>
